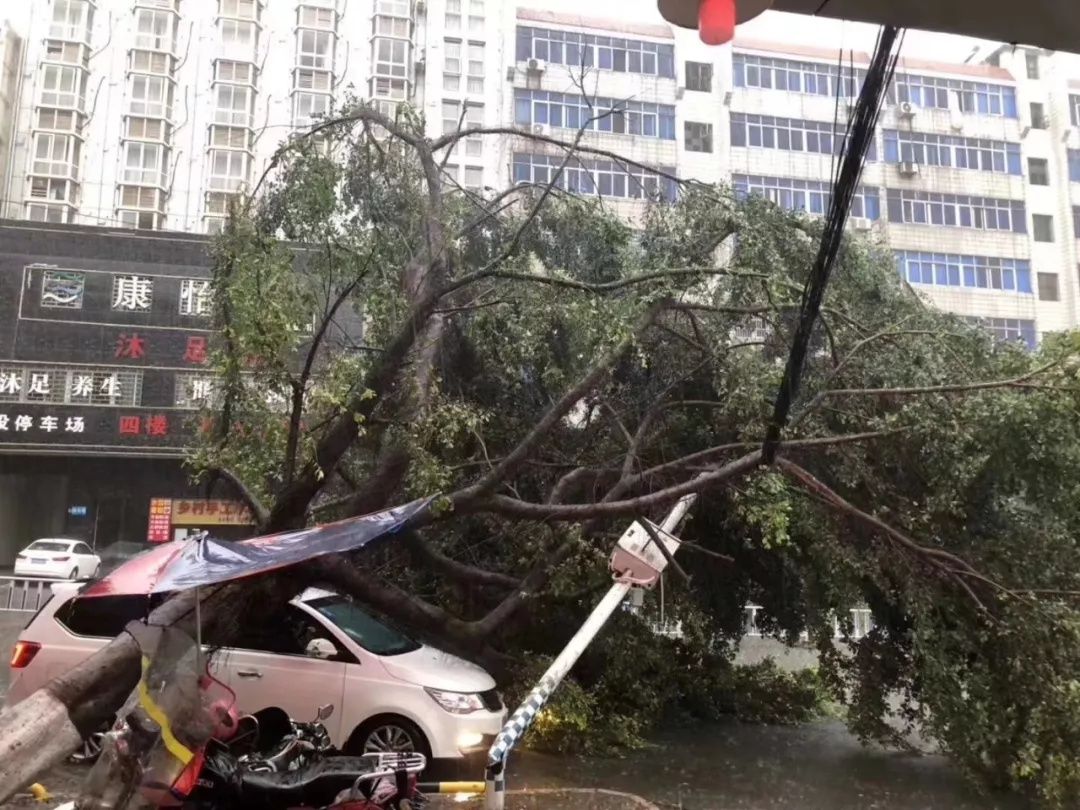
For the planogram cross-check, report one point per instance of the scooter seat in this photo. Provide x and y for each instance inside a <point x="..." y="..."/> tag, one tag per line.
<point x="315" y="785"/>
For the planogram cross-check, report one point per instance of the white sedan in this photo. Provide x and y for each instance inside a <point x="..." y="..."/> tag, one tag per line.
<point x="57" y="559"/>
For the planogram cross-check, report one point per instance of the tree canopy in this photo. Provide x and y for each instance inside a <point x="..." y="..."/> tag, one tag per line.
<point x="546" y="369"/>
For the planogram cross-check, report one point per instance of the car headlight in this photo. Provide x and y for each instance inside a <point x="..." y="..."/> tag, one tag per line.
<point x="457" y="702"/>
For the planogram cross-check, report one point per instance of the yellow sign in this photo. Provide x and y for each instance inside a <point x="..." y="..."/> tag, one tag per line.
<point x="201" y="513"/>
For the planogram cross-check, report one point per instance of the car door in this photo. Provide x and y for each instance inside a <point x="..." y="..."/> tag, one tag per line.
<point x="87" y="560"/>
<point x="268" y="666"/>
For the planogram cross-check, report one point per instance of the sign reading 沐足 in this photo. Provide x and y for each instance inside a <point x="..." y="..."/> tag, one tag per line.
<point x="160" y="527"/>
<point x="190" y="512"/>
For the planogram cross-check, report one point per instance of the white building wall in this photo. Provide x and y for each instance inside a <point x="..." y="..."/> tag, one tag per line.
<point x="11" y="52"/>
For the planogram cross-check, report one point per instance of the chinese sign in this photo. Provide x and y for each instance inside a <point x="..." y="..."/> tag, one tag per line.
<point x="62" y="289"/>
<point x="159" y="529"/>
<point x="132" y="293"/>
<point x="143" y="431"/>
<point x="194" y="297"/>
<point x="210" y="513"/>
<point x="24" y="423"/>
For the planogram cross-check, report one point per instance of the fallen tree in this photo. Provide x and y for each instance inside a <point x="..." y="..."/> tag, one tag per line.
<point x="548" y="372"/>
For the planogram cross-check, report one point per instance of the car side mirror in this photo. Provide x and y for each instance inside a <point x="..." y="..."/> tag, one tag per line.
<point x="324" y="712"/>
<point x="320" y="648"/>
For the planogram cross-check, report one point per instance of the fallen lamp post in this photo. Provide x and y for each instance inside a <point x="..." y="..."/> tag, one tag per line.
<point x="637" y="561"/>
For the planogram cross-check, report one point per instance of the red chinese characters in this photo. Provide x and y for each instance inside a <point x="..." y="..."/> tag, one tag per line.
<point x="130" y="426"/>
<point x="196" y="350"/>
<point x="157" y="425"/>
<point x="130" y="347"/>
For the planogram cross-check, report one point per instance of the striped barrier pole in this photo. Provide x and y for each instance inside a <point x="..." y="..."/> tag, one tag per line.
<point x="519" y="722"/>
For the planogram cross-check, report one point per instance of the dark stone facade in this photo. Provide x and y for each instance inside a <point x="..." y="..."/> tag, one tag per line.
<point x="100" y="344"/>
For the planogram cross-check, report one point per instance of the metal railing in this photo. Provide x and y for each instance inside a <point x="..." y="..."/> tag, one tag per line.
<point x="861" y="620"/>
<point x="24" y="594"/>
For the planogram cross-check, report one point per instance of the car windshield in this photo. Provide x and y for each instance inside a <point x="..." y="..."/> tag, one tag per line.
<point x="49" y="545"/>
<point x="361" y="627"/>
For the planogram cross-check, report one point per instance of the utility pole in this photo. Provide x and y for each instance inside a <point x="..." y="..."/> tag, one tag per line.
<point x="636" y="562"/>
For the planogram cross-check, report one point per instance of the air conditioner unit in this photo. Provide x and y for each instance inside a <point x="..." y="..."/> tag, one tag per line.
<point x="907" y="109"/>
<point x="540" y="129"/>
<point x="420" y="65"/>
<point x="909" y="168"/>
<point x="537" y="65"/>
<point x="861" y="223"/>
<point x="510" y="73"/>
<point x="421" y="6"/>
<point x="679" y="93"/>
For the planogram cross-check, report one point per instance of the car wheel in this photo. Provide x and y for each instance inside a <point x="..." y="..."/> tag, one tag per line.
<point x="388" y="735"/>
<point x="74" y="574"/>
<point x="91" y="747"/>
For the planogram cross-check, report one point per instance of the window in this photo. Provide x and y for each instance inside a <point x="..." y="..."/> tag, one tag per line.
<point x="390" y="88"/>
<point x="312" y="80"/>
<point x="194" y="296"/>
<point x="105" y="617"/>
<point x="789" y="134"/>
<point x="217" y="203"/>
<point x="62" y="289"/>
<point x="373" y="635"/>
<point x="56" y="155"/>
<point x="36" y="212"/>
<point x="1042" y="226"/>
<point x="234" y="72"/>
<point x="240" y="9"/>
<point x="473" y="117"/>
<point x="153" y="30"/>
<point x="310" y="107"/>
<point x="311" y="17"/>
<point x="947" y="94"/>
<point x="238" y="33"/>
<point x="48" y="188"/>
<point x="699" y="77"/>
<point x="697" y="137"/>
<point x="391" y="57"/>
<point x="316" y="49"/>
<point x="476" y="67"/>
<point x="1032" y="61"/>
<point x="193" y="391"/>
<point x="452" y="65"/>
<point x="392" y="27"/>
<point x="63" y="86"/>
<point x="132" y="293"/>
<point x="1073" y="157"/>
<point x="1038" y="172"/>
<point x="928" y="149"/>
<point x="474" y="178"/>
<point x="1009" y="330"/>
<point x="150" y="96"/>
<point x="228" y="169"/>
<point x="72" y="53"/>
<point x="453" y="15"/>
<point x="592" y="50"/>
<point x="62" y="120"/>
<point x="233" y="105"/>
<point x="1048" y="286"/>
<point x="1074" y="109"/>
<point x="1038" y="116"/>
<point x="140" y="197"/>
<point x="1076" y="221"/>
<point x="393" y="8"/>
<point x="976" y="272"/>
<point x="476" y="16"/>
<point x="604" y="178"/>
<point x="956" y="211"/>
<point x="159" y="64"/>
<point x="231" y="137"/>
<point x="70" y="20"/>
<point x="795" y="77"/>
<point x="144" y="164"/>
<point x="139" y="220"/>
<point x="812" y="196"/>
<point x="286" y="630"/>
<point x="606" y="114"/>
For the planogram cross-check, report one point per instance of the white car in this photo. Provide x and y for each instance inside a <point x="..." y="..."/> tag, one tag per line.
<point x="57" y="558"/>
<point x="390" y="693"/>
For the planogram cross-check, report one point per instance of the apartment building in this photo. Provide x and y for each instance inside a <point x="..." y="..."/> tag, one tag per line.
<point x="155" y="113"/>
<point x="10" y="62"/>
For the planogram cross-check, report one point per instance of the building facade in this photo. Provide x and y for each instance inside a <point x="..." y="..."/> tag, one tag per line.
<point x="103" y="349"/>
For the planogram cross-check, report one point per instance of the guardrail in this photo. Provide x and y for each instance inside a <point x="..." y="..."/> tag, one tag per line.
<point x="24" y="594"/>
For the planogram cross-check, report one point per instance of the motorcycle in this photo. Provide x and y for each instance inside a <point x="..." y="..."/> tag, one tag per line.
<point x="178" y="742"/>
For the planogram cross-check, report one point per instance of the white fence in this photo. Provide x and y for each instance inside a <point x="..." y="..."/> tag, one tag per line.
<point x="24" y="594"/>
<point x="861" y="619"/>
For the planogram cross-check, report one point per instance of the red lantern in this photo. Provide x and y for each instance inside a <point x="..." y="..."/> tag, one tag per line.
<point x="714" y="19"/>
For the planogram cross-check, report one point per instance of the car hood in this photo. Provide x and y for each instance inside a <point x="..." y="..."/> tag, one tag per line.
<point x="428" y="666"/>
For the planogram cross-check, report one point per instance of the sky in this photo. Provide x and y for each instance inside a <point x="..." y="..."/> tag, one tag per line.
<point x="795" y="29"/>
